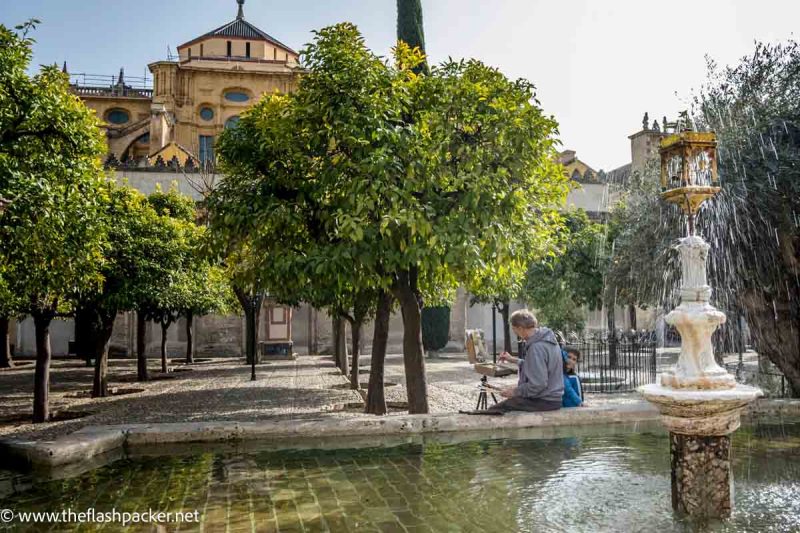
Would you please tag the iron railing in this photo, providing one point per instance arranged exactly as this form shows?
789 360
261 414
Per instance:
611 364
100 85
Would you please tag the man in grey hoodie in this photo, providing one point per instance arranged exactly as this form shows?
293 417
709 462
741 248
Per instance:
541 369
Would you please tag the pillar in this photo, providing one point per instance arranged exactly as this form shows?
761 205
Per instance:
458 322
702 484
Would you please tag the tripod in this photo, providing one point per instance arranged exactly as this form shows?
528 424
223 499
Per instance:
483 399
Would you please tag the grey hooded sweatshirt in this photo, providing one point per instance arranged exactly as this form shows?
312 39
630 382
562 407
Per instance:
541 373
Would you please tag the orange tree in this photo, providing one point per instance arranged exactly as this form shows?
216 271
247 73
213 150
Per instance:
372 176
51 232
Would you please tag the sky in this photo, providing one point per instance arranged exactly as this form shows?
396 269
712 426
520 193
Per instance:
597 65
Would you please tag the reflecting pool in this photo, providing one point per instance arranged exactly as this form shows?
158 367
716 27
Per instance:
610 479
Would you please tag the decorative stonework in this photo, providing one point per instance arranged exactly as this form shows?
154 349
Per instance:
702 484
700 403
696 320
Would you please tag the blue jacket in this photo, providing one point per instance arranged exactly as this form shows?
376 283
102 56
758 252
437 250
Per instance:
573 396
572 391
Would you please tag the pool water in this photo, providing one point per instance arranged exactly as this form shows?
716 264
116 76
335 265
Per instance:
616 480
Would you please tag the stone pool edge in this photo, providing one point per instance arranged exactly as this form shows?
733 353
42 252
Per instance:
93 441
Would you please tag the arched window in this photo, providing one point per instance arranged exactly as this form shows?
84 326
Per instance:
232 122
576 175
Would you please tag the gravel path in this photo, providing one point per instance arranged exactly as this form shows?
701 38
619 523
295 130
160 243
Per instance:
220 389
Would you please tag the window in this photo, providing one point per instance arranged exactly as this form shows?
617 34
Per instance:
118 116
275 54
206 113
206 149
229 49
236 96
247 50
232 122
576 175
189 54
201 50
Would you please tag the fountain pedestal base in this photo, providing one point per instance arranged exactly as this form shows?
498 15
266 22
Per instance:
702 485
700 423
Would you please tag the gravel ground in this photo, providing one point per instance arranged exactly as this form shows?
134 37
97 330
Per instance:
220 389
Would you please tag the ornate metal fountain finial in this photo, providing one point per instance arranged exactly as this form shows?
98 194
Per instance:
689 170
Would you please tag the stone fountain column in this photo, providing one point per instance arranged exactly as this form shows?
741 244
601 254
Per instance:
700 403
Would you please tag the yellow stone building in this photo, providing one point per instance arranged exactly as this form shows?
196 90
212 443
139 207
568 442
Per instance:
193 97
576 169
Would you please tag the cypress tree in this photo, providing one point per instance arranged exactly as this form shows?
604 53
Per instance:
409 27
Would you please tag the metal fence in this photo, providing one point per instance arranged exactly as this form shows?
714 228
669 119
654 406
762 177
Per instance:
609 364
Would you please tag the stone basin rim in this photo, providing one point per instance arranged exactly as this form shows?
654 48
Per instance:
660 394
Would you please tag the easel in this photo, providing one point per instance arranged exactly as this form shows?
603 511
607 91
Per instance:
483 399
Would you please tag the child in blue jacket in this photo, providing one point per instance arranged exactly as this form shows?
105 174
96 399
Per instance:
573 390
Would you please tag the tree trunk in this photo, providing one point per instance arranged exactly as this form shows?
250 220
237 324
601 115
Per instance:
504 312
342 339
6 359
189 338
413 360
376 401
632 316
339 325
337 358
775 334
141 357
613 360
41 380
164 331
356 327
102 340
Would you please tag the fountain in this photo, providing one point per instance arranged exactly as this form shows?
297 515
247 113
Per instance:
700 403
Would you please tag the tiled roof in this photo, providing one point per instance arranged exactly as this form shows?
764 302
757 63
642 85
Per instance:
242 28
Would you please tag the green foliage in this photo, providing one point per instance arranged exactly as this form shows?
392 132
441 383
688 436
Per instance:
189 282
139 253
563 285
51 235
172 204
643 269
368 171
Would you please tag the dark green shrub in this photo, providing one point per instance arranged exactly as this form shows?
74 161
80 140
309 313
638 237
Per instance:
435 327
